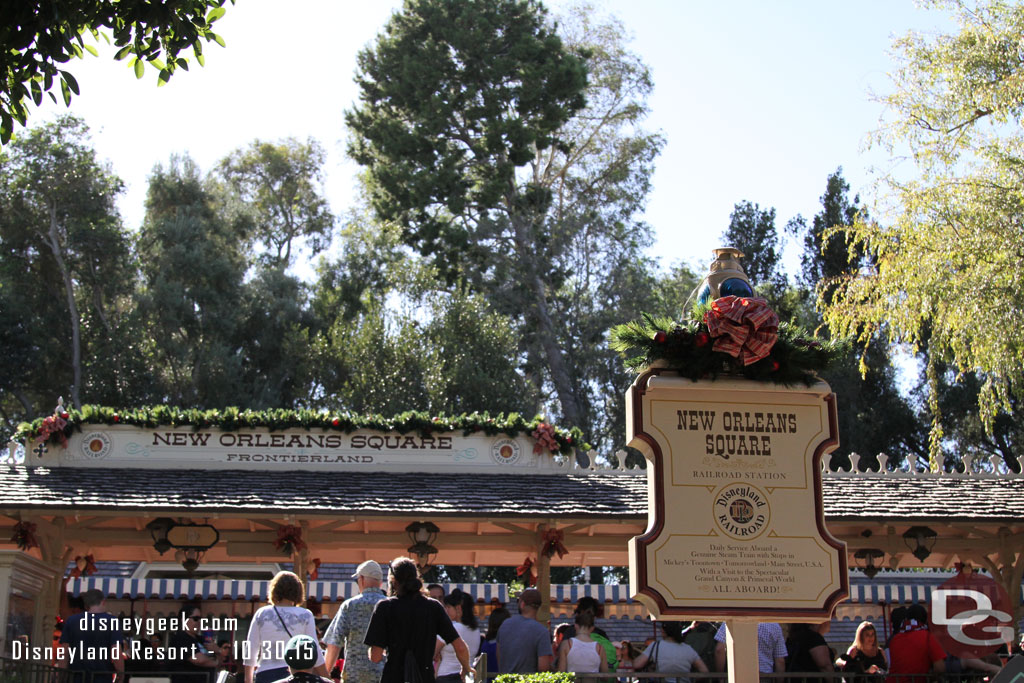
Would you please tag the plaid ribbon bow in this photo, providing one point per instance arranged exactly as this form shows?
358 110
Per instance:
744 327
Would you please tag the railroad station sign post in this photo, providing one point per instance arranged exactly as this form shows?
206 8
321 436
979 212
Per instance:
736 530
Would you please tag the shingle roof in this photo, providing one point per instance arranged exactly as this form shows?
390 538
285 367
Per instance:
920 498
372 493
593 495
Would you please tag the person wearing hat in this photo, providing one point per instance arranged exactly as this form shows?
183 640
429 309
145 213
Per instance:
524 644
345 634
301 654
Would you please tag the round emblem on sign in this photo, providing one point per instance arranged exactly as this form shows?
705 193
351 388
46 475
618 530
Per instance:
741 511
95 445
505 451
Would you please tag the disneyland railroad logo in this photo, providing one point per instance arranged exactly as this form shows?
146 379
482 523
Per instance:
741 511
740 433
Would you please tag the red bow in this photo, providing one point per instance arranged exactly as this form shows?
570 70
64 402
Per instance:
545 436
84 566
289 539
53 426
526 571
25 535
553 543
744 327
316 571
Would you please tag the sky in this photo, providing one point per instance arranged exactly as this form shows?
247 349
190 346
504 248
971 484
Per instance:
758 100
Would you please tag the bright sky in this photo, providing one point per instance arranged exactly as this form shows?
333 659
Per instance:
758 100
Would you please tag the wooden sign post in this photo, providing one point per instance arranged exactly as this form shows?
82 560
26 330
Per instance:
736 530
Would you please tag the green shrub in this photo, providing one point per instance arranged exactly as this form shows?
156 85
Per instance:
546 677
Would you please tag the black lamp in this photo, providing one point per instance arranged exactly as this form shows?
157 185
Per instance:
158 529
866 558
422 535
920 540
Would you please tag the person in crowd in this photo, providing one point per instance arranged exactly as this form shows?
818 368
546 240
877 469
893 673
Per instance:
142 658
406 626
807 650
489 645
96 641
301 655
581 653
345 634
771 648
671 654
199 666
562 632
273 626
896 619
914 650
589 604
524 645
626 654
865 655
226 655
465 622
700 635
436 591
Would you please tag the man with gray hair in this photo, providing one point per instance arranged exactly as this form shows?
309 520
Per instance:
348 628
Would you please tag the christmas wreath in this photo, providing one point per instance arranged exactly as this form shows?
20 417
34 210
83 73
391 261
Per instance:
737 336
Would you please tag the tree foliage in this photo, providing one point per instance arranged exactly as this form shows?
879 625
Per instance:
38 37
945 267
279 189
485 141
66 264
455 96
752 231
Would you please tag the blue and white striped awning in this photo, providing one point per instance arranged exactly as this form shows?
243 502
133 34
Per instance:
233 589
898 594
571 592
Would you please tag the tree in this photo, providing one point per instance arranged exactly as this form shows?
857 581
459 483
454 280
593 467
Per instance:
479 142
193 264
36 36
866 387
391 338
826 256
65 252
945 270
279 186
752 231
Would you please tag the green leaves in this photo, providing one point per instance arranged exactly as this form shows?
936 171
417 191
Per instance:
145 32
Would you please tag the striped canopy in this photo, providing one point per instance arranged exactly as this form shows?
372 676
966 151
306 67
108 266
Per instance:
232 589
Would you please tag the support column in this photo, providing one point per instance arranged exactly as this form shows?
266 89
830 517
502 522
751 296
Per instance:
543 577
741 650
56 553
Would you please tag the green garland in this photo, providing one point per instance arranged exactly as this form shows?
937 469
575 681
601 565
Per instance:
231 419
687 348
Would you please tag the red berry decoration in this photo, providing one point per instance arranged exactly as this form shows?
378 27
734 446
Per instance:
660 337
701 339
117 418
335 422
775 366
64 415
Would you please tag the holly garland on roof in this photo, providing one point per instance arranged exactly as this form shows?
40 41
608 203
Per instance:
556 439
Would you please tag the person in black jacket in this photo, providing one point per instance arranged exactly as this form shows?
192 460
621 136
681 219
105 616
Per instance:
407 625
